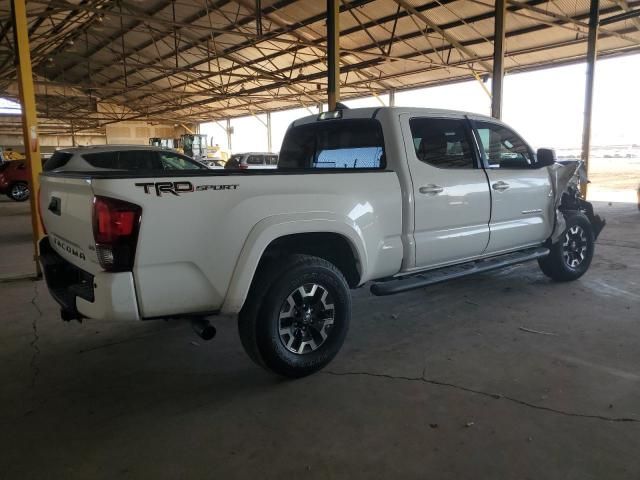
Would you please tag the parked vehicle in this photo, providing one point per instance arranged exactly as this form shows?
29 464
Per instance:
263 160
193 145
119 157
213 164
163 142
401 197
14 180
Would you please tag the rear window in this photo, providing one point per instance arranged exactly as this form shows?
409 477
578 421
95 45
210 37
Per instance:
57 160
255 160
334 144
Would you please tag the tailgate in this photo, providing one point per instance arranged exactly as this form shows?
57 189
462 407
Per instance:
67 213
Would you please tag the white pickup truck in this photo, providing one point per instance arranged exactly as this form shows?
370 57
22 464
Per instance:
400 197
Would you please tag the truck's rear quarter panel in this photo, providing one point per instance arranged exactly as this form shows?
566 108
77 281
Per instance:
190 243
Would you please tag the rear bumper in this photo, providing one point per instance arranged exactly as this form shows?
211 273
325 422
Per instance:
104 296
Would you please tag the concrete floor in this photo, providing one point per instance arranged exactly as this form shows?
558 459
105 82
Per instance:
436 383
16 247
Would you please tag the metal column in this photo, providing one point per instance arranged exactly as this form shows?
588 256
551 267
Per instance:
229 132
29 118
333 52
269 137
592 51
498 59
392 98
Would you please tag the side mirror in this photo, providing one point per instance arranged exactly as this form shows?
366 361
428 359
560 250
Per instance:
546 157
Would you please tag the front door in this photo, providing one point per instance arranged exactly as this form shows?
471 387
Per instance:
451 194
521 194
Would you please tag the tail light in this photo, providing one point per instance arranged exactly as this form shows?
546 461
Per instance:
243 166
115 230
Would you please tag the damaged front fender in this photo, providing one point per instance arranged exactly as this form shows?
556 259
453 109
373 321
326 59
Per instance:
566 178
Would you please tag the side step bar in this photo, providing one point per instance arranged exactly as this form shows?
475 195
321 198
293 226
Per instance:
440 275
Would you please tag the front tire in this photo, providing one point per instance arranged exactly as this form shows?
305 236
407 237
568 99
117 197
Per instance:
570 257
19 192
297 316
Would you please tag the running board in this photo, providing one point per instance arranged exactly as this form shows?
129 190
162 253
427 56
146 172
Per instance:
445 274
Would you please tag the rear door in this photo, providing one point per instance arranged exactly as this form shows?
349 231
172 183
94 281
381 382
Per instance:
451 195
521 194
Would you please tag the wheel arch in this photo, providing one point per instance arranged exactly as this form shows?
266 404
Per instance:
335 240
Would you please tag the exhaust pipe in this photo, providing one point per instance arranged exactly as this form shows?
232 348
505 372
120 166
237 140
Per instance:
203 328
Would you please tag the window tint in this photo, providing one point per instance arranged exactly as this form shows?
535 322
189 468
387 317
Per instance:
255 160
502 147
443 143
137 160
57 160
334 144
123 160
173 161
272 160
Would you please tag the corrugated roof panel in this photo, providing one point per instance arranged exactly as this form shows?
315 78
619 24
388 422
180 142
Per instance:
224 68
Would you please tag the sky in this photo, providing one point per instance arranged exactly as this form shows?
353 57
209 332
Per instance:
544 106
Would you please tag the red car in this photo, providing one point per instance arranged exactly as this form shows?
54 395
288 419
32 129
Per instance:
14 180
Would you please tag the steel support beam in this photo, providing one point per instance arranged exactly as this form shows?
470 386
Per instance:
592 52
269 136
497 78
392 98
29 118
333 52
629 13
229 134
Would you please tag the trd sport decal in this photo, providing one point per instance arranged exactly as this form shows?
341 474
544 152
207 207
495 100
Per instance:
176 188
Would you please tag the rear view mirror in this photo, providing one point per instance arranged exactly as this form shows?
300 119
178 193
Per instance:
546 157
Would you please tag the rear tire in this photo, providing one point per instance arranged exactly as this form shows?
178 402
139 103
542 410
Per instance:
19 192
297 315
570 257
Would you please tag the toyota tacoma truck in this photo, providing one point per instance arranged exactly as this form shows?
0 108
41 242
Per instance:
399 198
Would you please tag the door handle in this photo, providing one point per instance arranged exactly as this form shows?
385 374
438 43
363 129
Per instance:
54 206
500 186
431 189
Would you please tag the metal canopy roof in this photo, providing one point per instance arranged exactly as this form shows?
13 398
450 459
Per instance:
100 61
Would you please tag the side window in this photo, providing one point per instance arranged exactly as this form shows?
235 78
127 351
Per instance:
255 160
102 159
173 161
443 143
272 160
502 147
334 144
136 160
